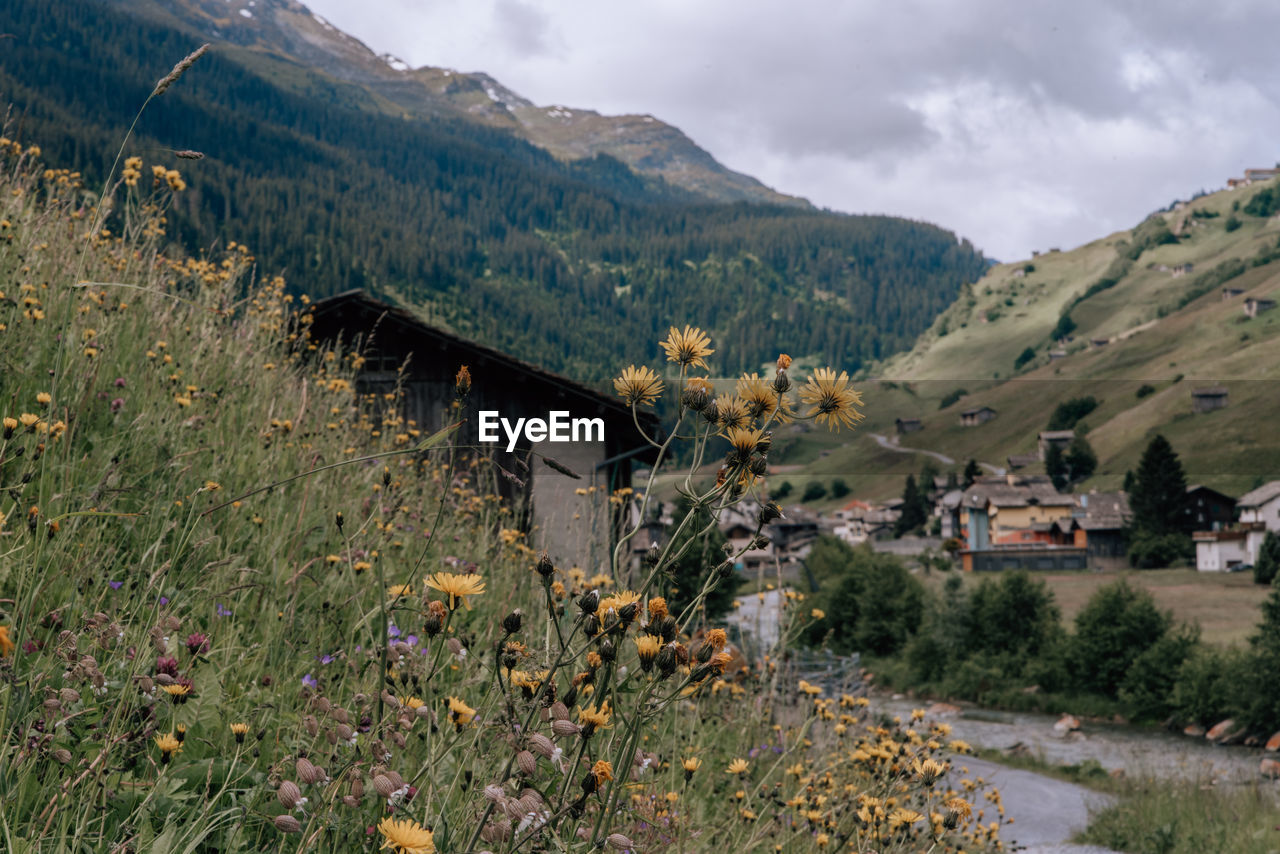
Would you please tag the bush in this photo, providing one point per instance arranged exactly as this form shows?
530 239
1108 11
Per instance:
1068 412
873 605
784 489
1159 551
1144 390
814 491
1205 688
1231 223
1117 625
1148 686
1064 328
1025 356
839 489
951 397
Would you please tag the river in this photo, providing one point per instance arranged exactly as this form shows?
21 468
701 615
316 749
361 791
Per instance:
1048 812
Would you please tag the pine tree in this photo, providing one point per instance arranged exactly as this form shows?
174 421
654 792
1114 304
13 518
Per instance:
1159 496
1055 465
972 471
915 508
1080 459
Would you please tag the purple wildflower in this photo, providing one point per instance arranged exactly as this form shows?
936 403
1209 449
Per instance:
309 681
116 585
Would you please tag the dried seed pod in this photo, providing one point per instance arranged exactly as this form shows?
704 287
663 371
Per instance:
619 842
350 800
383 786
340 715
527 763
495 793
62 756
289 794
306 771
311 725
287 824
542 745
395 779
559 711
565 728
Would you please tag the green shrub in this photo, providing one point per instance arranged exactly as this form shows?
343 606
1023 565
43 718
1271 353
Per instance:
814 491
1206 685
1024 357
839 489
1231 223
1144 390
1116 626
1148 685
951 397
872 604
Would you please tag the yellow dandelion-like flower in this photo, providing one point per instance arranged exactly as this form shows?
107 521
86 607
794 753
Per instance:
960 807
459 712
29 421
406 836
602 771
690 765
737 766
733 412
761 400
169 745
831 399
239 730
744 442
6 642
43 398
597 718
638 386
399 591
687 348
412 703
456 586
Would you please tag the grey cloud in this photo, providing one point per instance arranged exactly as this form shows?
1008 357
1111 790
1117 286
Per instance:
522 28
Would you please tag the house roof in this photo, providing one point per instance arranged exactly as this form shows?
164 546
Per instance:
339 304
1021 460
1264 494
976 411
1198 487
1211 391
1051 435
1014 491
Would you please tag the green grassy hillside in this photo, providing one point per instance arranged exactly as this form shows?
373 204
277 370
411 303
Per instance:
1150 327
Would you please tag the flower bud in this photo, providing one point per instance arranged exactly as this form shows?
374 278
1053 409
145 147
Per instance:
559 711
306 771
527 763
383 786
545 567
589 601
666 661
62 756
511 622
607 650
540 744
769 512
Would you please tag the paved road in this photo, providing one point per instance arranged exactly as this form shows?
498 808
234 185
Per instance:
890 445
1046 812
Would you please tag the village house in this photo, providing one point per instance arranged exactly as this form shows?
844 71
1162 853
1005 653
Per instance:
1017 462
1061 439
401 351
908 425
1261 505
974 417
996 505
1055 355
1208 509
1208 399
1222 549
1099 342
1254 306
1097 525
1231 293
1252 175
1179 270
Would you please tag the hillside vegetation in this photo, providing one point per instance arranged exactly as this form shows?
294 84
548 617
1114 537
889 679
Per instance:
575 266
1144 338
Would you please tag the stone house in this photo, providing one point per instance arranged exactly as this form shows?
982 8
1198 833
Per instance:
1254 306
1061 439
974 417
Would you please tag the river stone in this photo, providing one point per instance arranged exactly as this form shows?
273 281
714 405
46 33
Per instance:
1269 767
942 710
1066 724
1273 743
1194 730
1222 731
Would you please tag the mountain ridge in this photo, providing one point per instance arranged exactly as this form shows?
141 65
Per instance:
293 32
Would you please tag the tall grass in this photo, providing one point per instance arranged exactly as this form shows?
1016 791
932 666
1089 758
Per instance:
246 608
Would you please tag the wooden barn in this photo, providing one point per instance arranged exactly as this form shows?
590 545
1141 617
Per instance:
574 528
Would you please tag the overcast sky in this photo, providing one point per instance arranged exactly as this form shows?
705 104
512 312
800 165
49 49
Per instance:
1020 125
